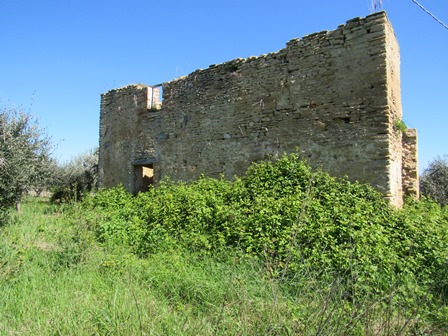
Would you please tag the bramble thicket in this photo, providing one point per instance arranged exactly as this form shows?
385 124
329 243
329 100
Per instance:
283 212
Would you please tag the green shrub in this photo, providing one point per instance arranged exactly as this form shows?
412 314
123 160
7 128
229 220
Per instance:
400 126
421 242
292 218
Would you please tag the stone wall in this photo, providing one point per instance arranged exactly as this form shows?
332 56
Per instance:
409 165
334 96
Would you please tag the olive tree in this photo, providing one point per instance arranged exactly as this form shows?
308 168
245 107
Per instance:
434 180
25 155
76 178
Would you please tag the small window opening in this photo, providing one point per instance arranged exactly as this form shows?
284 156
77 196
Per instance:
155 97
144 177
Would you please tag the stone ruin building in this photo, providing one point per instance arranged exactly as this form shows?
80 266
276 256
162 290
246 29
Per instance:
332 95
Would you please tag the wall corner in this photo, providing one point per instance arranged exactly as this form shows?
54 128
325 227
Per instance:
410 164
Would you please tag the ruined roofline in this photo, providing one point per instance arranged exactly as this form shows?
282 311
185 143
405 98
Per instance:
138 86
357 21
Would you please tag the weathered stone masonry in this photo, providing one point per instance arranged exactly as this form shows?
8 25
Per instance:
334 95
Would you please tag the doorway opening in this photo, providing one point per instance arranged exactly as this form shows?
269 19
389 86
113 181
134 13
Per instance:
143 177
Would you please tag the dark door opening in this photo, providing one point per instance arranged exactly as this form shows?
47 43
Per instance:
143 177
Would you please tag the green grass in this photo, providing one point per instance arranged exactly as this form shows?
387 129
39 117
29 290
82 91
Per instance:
56 279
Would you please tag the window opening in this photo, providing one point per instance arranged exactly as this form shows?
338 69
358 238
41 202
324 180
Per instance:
155 97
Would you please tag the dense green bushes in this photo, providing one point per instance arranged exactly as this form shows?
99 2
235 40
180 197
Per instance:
292 218
56 279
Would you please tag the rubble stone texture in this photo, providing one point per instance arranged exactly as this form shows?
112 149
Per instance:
333 96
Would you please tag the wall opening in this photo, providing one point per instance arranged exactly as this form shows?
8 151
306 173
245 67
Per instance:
143 177
155 97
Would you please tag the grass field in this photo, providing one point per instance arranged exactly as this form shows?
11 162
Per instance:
56 279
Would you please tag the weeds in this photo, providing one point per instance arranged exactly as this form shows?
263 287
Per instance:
285 256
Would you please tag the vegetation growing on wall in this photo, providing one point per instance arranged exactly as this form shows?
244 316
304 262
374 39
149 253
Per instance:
400 126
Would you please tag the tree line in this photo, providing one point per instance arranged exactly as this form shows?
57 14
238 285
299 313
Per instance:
27 163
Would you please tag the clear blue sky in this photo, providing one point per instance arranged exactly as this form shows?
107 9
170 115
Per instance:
64 54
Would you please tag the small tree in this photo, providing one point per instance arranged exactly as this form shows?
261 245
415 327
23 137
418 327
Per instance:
76 178
434 181
48 168
25 151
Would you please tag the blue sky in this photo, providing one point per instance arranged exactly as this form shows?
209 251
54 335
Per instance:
57 57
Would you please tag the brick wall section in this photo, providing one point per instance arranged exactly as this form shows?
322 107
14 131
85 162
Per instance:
334 96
